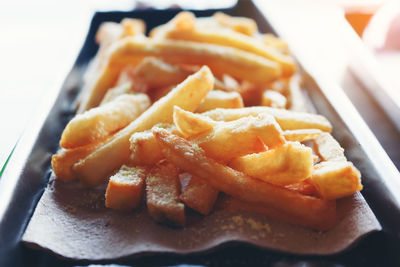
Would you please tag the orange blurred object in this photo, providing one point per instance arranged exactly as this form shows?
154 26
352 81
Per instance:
358 20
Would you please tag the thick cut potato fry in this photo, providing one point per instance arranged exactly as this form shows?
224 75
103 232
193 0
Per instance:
273 99
220 99
297 102
328 148
113 93
302 135
220 59
271 40
145 148
100 122
288 120
286 164
233 139
156 73
64 159
162 194
133 27
239 24
187 95
336 179
199 196
312 212
125 188
191 124
229 38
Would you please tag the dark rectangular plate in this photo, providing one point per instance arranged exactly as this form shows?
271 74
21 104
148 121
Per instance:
28 171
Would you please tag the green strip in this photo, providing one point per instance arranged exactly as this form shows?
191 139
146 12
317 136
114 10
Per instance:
5 163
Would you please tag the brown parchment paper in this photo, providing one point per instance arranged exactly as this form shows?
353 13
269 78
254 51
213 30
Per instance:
72 222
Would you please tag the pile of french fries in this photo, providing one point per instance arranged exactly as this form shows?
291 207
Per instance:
202 106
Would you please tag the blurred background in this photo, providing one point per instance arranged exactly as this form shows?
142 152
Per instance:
39 41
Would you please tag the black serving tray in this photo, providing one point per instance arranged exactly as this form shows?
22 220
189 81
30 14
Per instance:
28 170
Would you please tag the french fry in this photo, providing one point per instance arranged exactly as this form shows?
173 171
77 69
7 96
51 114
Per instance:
191 124
125 188
304 187
296 98
113 93
199 196
156 73
131 50
313 212
336 179
273 99
302 135
108 32
100 122
229 38
288 120
133 27
188 95
233 139
328 148
242 25
220 99
271 40
145 148
64 159
286 164
162 193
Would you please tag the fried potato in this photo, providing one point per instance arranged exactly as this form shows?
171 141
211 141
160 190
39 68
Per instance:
286 164
100 122
296 98
145 148
233 139
156 73
199 196
191 124
288 120
313 212
273 99
125 188
328 148
131 50
304 187
242 25
108 32
162 194
302 135
64 159
133 27
220 99
229 38
113 93
271 40
336 179
188 95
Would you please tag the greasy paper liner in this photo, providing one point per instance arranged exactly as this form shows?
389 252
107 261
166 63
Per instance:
73 222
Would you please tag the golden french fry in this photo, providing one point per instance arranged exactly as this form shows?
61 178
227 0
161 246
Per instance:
145 148
162 194
328 148
273 99
188 95
191 124
64 159
286 164
302 135
271 40
233 139
220 99
183 20
133 27
229 38
199 196
336 179
288 120
125 188
131 50
239 24
100 122
296 98
113 93
311 211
